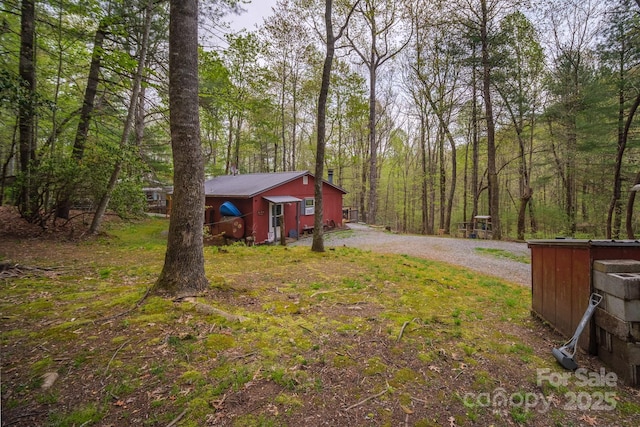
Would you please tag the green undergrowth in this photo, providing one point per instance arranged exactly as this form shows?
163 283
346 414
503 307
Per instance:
501 253
314 325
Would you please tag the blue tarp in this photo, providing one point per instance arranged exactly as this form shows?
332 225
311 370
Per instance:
229 209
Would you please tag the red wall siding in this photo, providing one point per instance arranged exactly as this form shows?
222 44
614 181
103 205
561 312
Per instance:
255 211
332 201
212 212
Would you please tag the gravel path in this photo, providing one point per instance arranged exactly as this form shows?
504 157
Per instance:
451 250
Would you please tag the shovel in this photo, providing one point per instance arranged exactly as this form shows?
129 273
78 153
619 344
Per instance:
564 355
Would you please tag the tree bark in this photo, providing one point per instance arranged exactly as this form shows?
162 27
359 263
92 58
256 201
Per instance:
617 182
380 52
372 207
424 170
318 241
475 152
630 202
90 92
26 115
183 271
128 125
64 204
492 173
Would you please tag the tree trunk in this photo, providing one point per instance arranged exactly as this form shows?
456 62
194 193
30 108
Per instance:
522 211
26 115
616 205
183 271
446 199
442 189
283 133
318 240
475 152
227 167
64 203
5 165
294 125
373 142
236 152
492 173
90 93
630 202
423 181
452 188
363 192
431 224
570 190
128 125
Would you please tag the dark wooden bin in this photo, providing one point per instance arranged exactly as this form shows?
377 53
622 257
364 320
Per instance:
562 280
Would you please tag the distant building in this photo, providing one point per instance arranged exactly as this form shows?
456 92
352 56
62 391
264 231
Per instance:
156 199
269 204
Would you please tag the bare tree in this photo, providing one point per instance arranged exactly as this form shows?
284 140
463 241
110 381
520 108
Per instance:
519 85
621 53
183 271
288 47
318 241
632 194
375 43
26 114
480 19
128 124
439 84
574 31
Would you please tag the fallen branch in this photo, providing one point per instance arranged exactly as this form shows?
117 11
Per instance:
404 326
306 329
176 419
19 417
114 356
362 402
11 270
217 404
124 313
242 356
321 293
419 400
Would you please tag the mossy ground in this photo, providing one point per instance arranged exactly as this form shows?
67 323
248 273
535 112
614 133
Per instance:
345 337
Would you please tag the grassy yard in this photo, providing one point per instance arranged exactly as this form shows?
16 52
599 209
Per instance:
284 337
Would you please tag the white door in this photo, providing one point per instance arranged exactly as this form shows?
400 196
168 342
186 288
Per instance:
275 213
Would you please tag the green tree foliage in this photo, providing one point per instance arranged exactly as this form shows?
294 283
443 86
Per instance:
620 53
519 83
558 144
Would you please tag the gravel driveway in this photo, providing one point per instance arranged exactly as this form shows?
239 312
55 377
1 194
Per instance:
451 250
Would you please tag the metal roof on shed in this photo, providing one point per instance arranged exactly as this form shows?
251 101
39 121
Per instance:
282 199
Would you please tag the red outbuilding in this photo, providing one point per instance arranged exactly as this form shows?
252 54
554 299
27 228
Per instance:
261 206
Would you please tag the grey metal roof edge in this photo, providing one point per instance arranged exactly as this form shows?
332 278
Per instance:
296 175
229 196
282 199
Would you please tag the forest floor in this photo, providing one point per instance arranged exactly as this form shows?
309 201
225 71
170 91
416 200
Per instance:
284 337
